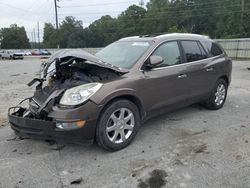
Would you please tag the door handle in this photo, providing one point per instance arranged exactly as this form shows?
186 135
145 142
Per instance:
181 76
209 69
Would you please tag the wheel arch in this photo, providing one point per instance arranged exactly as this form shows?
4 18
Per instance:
224 77
134 99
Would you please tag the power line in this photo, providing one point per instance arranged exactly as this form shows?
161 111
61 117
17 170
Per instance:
153 18
96 4
169 11
115 3
176 14
20 9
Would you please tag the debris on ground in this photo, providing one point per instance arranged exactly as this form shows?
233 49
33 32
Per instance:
58 147
76 181
3 122
199 132
15 75
50 142
200 148
178 162
16 138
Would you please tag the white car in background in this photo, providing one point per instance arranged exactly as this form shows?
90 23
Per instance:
9 54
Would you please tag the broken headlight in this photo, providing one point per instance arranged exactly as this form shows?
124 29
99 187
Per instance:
79 94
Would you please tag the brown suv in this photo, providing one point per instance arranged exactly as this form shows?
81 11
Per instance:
105 97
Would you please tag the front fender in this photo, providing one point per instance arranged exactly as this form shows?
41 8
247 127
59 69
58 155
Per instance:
104 97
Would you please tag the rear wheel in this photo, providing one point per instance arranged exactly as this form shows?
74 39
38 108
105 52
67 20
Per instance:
118 125
218 95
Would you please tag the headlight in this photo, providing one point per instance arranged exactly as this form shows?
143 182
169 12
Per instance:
79 94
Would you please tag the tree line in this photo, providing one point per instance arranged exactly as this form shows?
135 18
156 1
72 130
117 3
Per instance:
215 18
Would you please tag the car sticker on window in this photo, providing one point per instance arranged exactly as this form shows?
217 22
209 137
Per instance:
140 44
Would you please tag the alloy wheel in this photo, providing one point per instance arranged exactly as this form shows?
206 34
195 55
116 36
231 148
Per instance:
120 125
220 94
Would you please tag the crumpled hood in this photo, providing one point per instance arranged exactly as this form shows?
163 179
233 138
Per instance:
89 58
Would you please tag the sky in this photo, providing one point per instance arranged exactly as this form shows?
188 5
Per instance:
28 13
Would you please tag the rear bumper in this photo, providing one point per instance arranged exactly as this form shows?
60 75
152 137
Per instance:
47 130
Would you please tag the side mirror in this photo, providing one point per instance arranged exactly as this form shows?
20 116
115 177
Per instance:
155 60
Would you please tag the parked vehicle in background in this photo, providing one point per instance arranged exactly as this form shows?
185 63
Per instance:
36 52
40 52
45 52
10 54
108 95
25 53
1 53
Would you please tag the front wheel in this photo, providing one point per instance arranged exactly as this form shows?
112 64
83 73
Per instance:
218 95
118 125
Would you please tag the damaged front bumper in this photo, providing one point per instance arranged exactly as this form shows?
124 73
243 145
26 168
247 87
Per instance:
49 130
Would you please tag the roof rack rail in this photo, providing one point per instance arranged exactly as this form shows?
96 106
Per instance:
153 35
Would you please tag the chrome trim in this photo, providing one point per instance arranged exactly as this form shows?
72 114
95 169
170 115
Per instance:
160 68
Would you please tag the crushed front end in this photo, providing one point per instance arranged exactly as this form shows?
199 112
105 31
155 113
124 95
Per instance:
46 116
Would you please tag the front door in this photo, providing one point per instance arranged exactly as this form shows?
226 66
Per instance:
167 84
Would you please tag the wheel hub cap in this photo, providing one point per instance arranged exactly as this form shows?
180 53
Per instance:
120 125
220 94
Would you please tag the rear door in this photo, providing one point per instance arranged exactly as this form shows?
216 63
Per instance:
167 84
199 69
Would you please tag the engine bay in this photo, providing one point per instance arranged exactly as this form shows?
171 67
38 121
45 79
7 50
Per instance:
64 74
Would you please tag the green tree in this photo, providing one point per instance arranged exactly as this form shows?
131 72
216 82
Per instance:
228 20
71 33
14 37
131 21
157 16
102 31
49 36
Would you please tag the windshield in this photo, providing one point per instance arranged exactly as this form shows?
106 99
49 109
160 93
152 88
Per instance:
123 53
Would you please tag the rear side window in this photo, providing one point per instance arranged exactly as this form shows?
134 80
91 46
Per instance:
213 48
193 51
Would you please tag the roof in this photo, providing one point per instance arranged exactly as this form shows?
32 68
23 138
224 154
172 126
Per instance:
169 36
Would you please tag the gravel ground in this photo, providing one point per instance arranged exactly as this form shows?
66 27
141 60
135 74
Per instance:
192 147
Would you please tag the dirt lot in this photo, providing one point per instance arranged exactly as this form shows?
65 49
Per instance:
192 147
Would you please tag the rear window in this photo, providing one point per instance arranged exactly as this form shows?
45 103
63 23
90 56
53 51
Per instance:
193 51
213 48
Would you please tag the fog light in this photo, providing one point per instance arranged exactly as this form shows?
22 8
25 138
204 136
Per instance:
70 125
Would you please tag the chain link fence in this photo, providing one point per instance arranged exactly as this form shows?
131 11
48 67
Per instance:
236 48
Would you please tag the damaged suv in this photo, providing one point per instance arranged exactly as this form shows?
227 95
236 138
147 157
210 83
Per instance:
106 96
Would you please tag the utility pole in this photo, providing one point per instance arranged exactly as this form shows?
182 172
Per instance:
38 36
56 23
34 32
242 13
32 40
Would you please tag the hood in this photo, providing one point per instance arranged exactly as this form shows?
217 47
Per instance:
89 58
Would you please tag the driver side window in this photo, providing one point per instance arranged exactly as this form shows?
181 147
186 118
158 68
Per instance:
170 53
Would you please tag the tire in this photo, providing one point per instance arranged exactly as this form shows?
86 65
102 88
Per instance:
111 125
215 102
